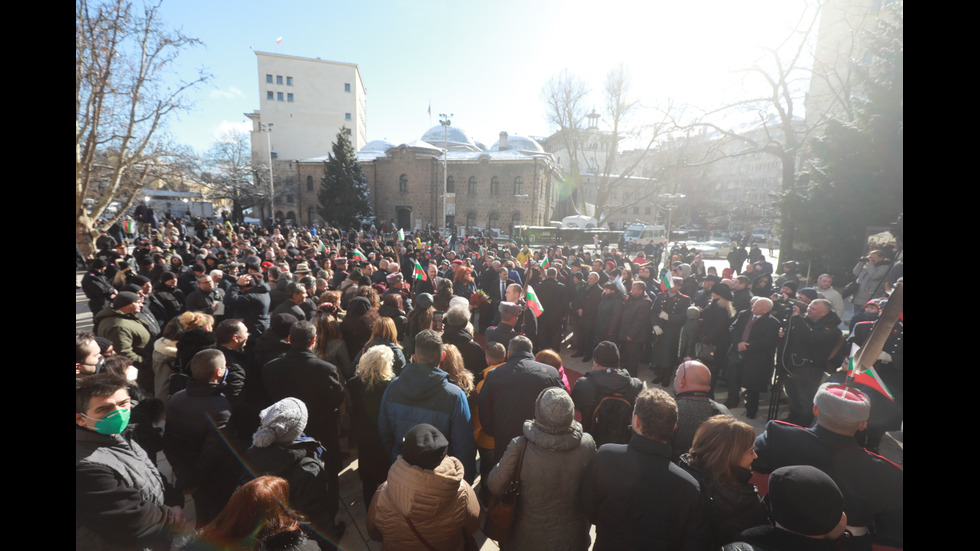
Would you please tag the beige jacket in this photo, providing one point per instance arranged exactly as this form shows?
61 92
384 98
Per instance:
441 505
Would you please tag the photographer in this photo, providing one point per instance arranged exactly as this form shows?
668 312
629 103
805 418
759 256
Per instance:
810 341
871 272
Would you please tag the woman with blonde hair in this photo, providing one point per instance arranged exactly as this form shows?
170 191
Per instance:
720 459
367 387
452 363
384 333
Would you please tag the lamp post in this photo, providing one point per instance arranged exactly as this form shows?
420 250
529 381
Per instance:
267 128
671 202
445 121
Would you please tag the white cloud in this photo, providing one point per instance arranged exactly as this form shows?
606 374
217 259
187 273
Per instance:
227 129
231 93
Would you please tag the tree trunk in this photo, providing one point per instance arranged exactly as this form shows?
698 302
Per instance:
85 235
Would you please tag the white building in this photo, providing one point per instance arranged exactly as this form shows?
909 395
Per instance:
306 101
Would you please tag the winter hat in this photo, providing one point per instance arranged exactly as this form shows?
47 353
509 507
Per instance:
124 299
808 292
281 423
841 402
803 499
606 354
423 300
693 312
723 291
554 411
424 446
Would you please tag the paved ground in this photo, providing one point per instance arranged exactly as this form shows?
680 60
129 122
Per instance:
354 511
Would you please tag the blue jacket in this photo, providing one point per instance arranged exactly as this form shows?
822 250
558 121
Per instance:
423 394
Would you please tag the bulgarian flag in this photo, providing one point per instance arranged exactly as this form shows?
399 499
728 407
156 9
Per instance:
666 280
358 255
322 248
130 226
533 303
401 234
545 262
870 378
419 272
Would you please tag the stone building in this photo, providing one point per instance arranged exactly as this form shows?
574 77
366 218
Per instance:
512 182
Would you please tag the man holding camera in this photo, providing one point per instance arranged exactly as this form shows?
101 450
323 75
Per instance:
813 337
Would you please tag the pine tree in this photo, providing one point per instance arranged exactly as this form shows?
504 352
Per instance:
343 195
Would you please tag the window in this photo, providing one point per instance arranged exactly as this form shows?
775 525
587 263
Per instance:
450 184
403 183
515 220
494 187
646 210
518 186
279 96
268 78
636 210
269 95
347 87
309 183
470 219
289 198
289 96
472 190
494 220
346 116
289 81
278 79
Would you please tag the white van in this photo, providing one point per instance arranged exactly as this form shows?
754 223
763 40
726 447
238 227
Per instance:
639 235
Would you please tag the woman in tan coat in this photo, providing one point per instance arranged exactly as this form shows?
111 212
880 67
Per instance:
425 503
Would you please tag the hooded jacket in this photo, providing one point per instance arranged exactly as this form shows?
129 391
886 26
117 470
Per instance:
441 505
423 394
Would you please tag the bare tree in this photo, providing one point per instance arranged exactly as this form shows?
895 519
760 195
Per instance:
123 57
229 172
600 150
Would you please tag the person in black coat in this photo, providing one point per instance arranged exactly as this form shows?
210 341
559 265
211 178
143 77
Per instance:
301 374
754 336
97 287
635 327
248 299
635 496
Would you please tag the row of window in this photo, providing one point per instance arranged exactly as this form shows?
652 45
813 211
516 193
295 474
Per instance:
270 95
471 185
289 80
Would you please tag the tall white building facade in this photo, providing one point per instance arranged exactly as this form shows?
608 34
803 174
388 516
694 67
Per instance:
306 101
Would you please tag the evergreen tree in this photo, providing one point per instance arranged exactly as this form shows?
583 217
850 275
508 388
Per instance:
343 195
856 176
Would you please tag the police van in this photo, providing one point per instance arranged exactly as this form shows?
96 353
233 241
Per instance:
639 235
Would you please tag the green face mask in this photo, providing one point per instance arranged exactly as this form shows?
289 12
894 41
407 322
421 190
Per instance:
113 423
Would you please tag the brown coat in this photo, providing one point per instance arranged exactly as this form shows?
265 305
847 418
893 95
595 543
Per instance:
441 505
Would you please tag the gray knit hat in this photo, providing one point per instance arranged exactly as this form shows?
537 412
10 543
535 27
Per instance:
282 422
554 411
423 300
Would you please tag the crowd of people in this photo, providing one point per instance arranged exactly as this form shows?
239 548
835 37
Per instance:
258 359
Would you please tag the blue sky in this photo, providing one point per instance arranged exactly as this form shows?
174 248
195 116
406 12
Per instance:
484 62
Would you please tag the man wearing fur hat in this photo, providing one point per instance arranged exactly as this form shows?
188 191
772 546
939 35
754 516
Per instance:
872 485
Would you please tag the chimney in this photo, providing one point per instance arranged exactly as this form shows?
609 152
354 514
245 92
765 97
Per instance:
502 144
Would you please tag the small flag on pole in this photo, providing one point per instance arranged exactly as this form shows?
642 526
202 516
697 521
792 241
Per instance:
532 302
545 262
419 272
358 255
666 281
870 378
279 41
401 234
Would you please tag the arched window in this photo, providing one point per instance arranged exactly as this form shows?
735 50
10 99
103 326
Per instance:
518 186
403 183
472 185
470 219
494 186
494 221
515 220
309 183
450 184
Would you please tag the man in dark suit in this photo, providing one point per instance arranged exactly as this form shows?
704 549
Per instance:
754 335
554 302
497 290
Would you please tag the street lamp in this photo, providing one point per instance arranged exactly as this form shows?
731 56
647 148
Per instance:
445 121
267 128
671 201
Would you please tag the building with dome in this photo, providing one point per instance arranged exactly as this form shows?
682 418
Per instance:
511 183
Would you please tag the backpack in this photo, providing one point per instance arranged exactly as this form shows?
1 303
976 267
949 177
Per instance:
611 420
